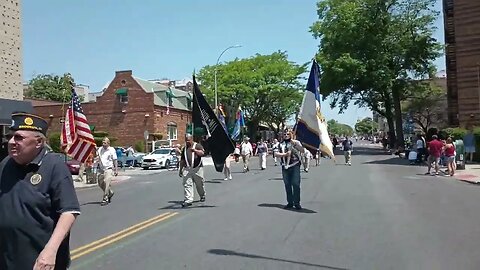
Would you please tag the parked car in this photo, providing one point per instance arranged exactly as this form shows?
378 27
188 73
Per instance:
160 158
72 164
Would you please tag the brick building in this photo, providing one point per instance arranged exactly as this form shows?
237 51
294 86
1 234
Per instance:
462 39
128 107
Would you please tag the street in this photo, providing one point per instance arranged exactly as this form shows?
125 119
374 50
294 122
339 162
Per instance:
379 213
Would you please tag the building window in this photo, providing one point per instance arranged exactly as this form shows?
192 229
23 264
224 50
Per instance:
172 131
123 94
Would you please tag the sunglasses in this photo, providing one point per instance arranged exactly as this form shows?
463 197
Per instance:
17 137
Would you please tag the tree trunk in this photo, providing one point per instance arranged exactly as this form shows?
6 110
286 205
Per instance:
400 142
390 122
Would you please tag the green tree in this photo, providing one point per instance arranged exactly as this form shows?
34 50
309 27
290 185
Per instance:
51 87
336 128
370 50
266 86
426 105
366 126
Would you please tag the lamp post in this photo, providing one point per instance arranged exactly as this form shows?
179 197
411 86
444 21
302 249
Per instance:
218 59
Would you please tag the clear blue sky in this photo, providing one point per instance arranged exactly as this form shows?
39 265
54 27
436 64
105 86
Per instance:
92 39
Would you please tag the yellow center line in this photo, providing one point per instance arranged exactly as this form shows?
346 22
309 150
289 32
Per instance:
76 253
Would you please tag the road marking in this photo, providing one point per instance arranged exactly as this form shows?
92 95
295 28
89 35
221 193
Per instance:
83 250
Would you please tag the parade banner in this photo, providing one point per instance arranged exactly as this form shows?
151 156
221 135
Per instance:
219 143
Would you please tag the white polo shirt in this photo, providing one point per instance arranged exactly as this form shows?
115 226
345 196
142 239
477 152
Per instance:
107 157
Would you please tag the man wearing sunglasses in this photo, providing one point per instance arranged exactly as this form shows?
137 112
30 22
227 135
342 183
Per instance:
38 204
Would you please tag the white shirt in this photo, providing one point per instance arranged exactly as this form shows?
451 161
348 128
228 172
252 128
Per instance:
246 148
420 144
107 157
307 154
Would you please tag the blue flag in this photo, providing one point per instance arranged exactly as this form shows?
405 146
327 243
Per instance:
311 127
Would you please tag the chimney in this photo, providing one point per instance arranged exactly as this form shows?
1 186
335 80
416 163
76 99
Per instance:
123 72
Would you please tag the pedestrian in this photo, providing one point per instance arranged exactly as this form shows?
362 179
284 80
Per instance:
469 142
191 170
435 148
449 150
236 153
38 203
318 156
246 150
306 159
226 168
421 148
130 153
107 169
262 150
275 149
289 152
347 151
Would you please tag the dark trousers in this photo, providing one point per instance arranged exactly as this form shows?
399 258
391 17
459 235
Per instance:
291 179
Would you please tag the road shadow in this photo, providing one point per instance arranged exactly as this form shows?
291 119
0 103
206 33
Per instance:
215 181
177 205
390 161
276 179
91 203
225 252
280 206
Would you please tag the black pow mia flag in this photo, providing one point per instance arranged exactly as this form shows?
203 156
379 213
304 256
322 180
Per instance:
220 144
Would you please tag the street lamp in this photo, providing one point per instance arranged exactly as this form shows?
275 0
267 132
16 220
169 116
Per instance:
218 59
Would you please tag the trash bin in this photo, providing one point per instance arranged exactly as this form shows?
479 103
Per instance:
460 156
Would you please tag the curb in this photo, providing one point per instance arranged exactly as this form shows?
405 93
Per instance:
117 180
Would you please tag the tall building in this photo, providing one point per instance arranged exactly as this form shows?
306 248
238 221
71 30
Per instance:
11 87
10 51
462 39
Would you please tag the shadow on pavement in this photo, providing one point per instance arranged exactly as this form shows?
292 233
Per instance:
280 206
215 181
276 179
365 151
178 205
90 203
390 161
225 252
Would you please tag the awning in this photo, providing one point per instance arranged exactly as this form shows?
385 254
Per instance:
121 91
8 106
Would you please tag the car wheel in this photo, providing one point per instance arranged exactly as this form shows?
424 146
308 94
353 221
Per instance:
145 168
167 164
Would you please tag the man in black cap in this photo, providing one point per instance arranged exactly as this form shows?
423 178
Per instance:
38 204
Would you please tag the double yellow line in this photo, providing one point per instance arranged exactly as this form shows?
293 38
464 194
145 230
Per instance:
83 250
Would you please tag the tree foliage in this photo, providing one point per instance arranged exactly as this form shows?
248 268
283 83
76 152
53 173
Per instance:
371 49
426 106
336 128
266 86
51 87
366 126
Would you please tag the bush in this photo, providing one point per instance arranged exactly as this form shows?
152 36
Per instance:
54 141
100 134
140 146
456 133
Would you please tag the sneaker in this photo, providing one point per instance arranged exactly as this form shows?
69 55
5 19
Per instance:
288 206
186 204
110 197
104 202
298 207
230 177
225 179
202 199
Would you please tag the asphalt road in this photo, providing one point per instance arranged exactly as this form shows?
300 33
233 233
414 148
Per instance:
379 213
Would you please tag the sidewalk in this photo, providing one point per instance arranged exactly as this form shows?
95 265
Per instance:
471 174
80 185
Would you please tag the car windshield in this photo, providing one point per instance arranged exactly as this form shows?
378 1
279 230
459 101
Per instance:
161 152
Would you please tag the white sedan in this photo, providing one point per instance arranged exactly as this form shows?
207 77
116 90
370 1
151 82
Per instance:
159 158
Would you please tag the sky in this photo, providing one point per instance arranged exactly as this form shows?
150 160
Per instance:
156 39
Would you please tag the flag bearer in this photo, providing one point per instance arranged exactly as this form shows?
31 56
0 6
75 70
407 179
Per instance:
191 162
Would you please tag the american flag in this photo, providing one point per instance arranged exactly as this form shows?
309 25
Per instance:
77 139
